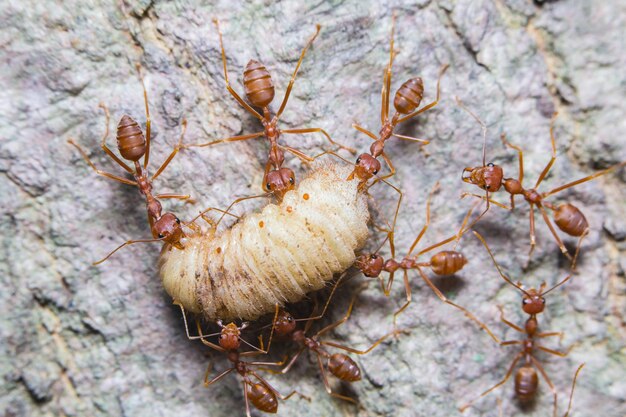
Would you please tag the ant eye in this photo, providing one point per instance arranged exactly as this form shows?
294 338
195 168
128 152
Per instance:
177 220
161 236
374 256
358 160
543 300
490 164
526 301
375 171
291 180
290 319
268 186
487 187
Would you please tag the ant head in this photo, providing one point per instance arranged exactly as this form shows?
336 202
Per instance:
229 336
488 177
130 139
168 228
262 397
279 181
285 323
409 96
257 83
533 302
366 167
371 265
344 367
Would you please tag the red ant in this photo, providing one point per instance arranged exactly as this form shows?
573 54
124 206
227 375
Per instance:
261 393
340 365
526 378
132 146
490 178
406 102
442 263
259 89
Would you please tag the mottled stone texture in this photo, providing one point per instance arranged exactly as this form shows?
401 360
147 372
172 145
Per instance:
79 340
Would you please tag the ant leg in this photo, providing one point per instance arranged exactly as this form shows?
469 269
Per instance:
327 384
237 201
323 132
400 195
489 200
174 152
387 288
554 233
128 242
230 139
403 137
503 381
366 351
585 179
309 320
175 196
182 310
145 100
483 126
103 145
553 158
407 289
520 157
532 231
99 172
217 378
508 323
340 321
278 394
463 229
463 309
261 350
228 87
295 72
580 242
504 277
384 104
298 154
365 131
391 168
292 361
569 405
548 381
245 396
555 352
432 104
427 222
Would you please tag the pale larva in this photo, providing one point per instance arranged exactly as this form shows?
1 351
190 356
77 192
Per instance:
275 256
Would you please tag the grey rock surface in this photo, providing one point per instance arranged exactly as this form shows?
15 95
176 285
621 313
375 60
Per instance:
79 340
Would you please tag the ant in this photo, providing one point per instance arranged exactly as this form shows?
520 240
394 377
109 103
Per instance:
257 391
490 177
132 146
406 102
447 262
259 89
526 378
339 364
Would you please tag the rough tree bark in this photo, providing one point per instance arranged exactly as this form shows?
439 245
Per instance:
79 340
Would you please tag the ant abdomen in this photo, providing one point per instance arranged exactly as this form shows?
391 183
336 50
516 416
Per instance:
257 83
447 262
526 382
343 367
409 96
262 398
570 220
130 139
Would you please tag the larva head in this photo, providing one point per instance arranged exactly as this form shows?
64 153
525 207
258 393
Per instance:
370 265
229 337
533 302
285 324
168 228
257 82
130 139
487 177
262 397
343 367
409 96
366 167
279 181
570 220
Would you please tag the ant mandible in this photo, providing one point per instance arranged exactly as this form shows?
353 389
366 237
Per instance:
132 146
259 89
490 177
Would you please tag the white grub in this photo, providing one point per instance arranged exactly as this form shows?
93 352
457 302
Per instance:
275 256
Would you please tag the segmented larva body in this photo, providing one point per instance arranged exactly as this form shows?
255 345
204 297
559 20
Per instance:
275 256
